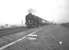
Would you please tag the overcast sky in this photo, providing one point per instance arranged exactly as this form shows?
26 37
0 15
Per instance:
13 11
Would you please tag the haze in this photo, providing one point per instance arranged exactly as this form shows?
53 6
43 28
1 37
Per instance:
14 11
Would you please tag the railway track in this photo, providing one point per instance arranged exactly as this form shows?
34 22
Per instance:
9 31
16 38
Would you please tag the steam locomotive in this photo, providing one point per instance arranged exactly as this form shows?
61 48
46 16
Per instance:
34 21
